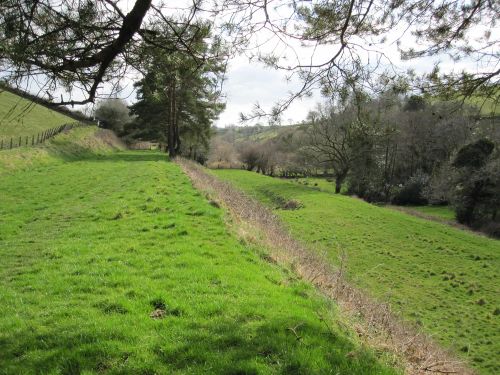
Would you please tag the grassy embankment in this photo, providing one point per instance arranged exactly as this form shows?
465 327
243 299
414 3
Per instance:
20 117
66 146
440 277
114 263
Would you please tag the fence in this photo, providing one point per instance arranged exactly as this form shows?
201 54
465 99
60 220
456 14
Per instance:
32 140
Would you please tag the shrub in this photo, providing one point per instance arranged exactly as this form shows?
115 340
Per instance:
291 205
492 229
412 192
477 196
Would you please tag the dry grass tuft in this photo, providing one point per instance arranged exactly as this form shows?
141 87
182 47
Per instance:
379 326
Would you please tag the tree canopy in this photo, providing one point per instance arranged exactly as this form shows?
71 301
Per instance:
178 99
67 44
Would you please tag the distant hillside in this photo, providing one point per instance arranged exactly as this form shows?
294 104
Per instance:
489 110
256 133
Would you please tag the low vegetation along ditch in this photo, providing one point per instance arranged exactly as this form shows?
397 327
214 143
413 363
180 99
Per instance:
441 279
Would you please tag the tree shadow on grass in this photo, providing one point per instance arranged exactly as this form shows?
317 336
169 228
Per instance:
219 346
127 156
79 153
272 346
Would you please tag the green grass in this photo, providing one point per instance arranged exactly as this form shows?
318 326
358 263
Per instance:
320 183
20 117
90 247
442 278
441 212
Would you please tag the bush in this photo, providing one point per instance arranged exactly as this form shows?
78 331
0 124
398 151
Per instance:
412 192
492 229
291 205
366 189
477 195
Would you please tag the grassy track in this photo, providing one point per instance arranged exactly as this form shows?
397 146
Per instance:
90 248
442 278
440 212
20 117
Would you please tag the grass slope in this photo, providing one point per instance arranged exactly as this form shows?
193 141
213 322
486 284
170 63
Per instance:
21 117
321 183
90 248
442 278
66 146
441 212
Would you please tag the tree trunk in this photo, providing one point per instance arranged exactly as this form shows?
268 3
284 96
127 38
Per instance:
338 184
171 125
177 138
339 180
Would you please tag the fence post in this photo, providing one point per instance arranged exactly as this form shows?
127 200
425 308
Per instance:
20 139
33 140
11 143
27 140
1 145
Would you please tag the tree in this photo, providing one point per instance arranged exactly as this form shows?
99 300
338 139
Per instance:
330 139
474 155
349 40
249 155
86 43
478 184
222 155
83 44
113 114
178 98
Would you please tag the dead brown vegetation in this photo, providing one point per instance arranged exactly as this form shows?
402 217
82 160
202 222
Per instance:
374 321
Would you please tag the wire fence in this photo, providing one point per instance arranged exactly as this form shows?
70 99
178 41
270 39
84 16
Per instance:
33 140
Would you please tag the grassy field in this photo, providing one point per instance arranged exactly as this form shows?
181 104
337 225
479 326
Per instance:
442 278
114 263
21 117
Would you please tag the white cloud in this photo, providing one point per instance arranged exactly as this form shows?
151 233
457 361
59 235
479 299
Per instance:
251 83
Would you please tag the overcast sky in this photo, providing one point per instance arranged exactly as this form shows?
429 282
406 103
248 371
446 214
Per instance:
249 83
